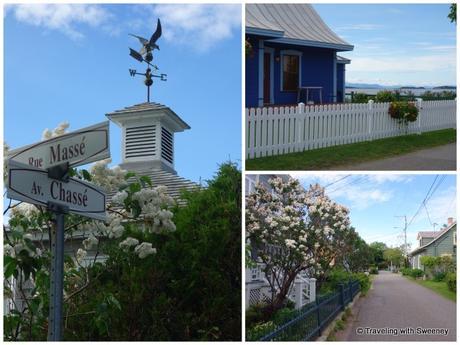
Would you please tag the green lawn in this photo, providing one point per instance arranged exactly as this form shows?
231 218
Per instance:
439 287
352 153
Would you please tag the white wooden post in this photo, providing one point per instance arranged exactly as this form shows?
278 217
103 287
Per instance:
312 282
369 118
300 111
298 293
419 119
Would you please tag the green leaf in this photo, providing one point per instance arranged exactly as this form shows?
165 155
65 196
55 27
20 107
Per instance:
129 175
146 180
86 175
134 187
9 265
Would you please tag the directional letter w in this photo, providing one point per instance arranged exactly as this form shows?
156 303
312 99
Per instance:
132 72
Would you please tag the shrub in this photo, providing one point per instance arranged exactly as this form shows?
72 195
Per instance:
364 281
404 112
284 315
430 261
416 273
406 271
360 98
439 276
259 330
386 96
374 270
451 280
254 314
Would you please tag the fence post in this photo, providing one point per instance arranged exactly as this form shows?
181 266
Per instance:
342 296
312 289
350 285
419 120
298 284
318 317
369 118
300 110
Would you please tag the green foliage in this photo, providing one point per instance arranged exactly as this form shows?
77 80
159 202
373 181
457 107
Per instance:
364 281
453 13
255 315
439 276
430 261
386 96
373 270
451 281
259 330
406 271
339 325
360 98
416 273
189 290
404 112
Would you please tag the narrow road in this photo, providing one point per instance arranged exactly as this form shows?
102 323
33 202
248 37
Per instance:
397 306
436 158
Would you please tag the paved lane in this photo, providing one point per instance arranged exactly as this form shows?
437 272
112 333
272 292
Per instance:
436 158
398 303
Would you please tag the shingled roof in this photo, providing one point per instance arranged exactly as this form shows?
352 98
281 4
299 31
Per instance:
292 24
173 182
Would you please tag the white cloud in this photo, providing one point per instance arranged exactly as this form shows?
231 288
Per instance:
199 26
61 17
442 205
407 63
362 27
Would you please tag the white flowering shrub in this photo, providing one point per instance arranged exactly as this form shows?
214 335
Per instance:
137 211
293 230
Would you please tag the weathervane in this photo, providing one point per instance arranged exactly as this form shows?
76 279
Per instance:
146 55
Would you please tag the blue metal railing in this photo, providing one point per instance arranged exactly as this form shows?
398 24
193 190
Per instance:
314 317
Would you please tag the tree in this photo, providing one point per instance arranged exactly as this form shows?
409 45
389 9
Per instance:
356 256
394 256
377 249
294 230
162 266
453 13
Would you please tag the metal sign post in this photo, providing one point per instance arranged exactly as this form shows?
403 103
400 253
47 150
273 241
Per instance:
57 272
39 174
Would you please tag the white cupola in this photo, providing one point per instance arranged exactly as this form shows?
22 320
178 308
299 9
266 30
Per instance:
148 136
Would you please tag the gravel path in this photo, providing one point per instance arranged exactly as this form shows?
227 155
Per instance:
396 303
436 158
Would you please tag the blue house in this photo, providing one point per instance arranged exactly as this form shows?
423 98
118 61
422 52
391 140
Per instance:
291 56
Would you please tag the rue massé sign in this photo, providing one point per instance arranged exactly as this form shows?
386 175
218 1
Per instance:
32 185
80 147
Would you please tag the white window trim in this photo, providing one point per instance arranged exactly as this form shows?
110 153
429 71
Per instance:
290 52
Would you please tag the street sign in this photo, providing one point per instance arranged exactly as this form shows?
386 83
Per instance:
32 185
80 147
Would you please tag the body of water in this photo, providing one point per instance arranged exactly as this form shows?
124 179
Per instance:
416 92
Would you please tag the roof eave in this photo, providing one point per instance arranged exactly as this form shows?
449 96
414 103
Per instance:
264 32
307 43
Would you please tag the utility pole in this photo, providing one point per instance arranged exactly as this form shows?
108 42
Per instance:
405 233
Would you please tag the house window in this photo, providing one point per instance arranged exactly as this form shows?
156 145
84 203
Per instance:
290 70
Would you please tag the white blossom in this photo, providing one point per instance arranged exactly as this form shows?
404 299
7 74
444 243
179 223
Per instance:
128 243
89 242
144 249
81 255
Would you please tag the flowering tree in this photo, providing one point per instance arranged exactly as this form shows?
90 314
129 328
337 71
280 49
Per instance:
294 230
137 204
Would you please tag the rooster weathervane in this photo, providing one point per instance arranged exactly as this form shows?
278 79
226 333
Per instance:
145 54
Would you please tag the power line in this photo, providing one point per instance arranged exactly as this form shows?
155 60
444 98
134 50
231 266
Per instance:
340 179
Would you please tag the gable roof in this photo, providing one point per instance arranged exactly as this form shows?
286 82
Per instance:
432 234
341 59
292 24
439 235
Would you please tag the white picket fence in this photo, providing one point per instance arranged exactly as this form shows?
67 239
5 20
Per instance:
280 130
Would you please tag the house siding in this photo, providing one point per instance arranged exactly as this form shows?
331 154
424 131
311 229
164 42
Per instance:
316 67
340 82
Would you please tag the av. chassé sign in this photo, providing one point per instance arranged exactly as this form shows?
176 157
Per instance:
33 185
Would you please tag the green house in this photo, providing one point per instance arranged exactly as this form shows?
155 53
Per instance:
435 243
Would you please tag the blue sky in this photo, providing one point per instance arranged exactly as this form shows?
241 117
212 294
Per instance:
375 201
410 44
70 63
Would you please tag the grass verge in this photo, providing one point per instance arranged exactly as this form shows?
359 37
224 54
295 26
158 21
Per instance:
330 157
439 287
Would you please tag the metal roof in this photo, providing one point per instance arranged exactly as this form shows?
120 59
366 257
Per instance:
437 237
432 234
341 59
299 24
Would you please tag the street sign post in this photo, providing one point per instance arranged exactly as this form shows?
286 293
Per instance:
80 147
39 174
